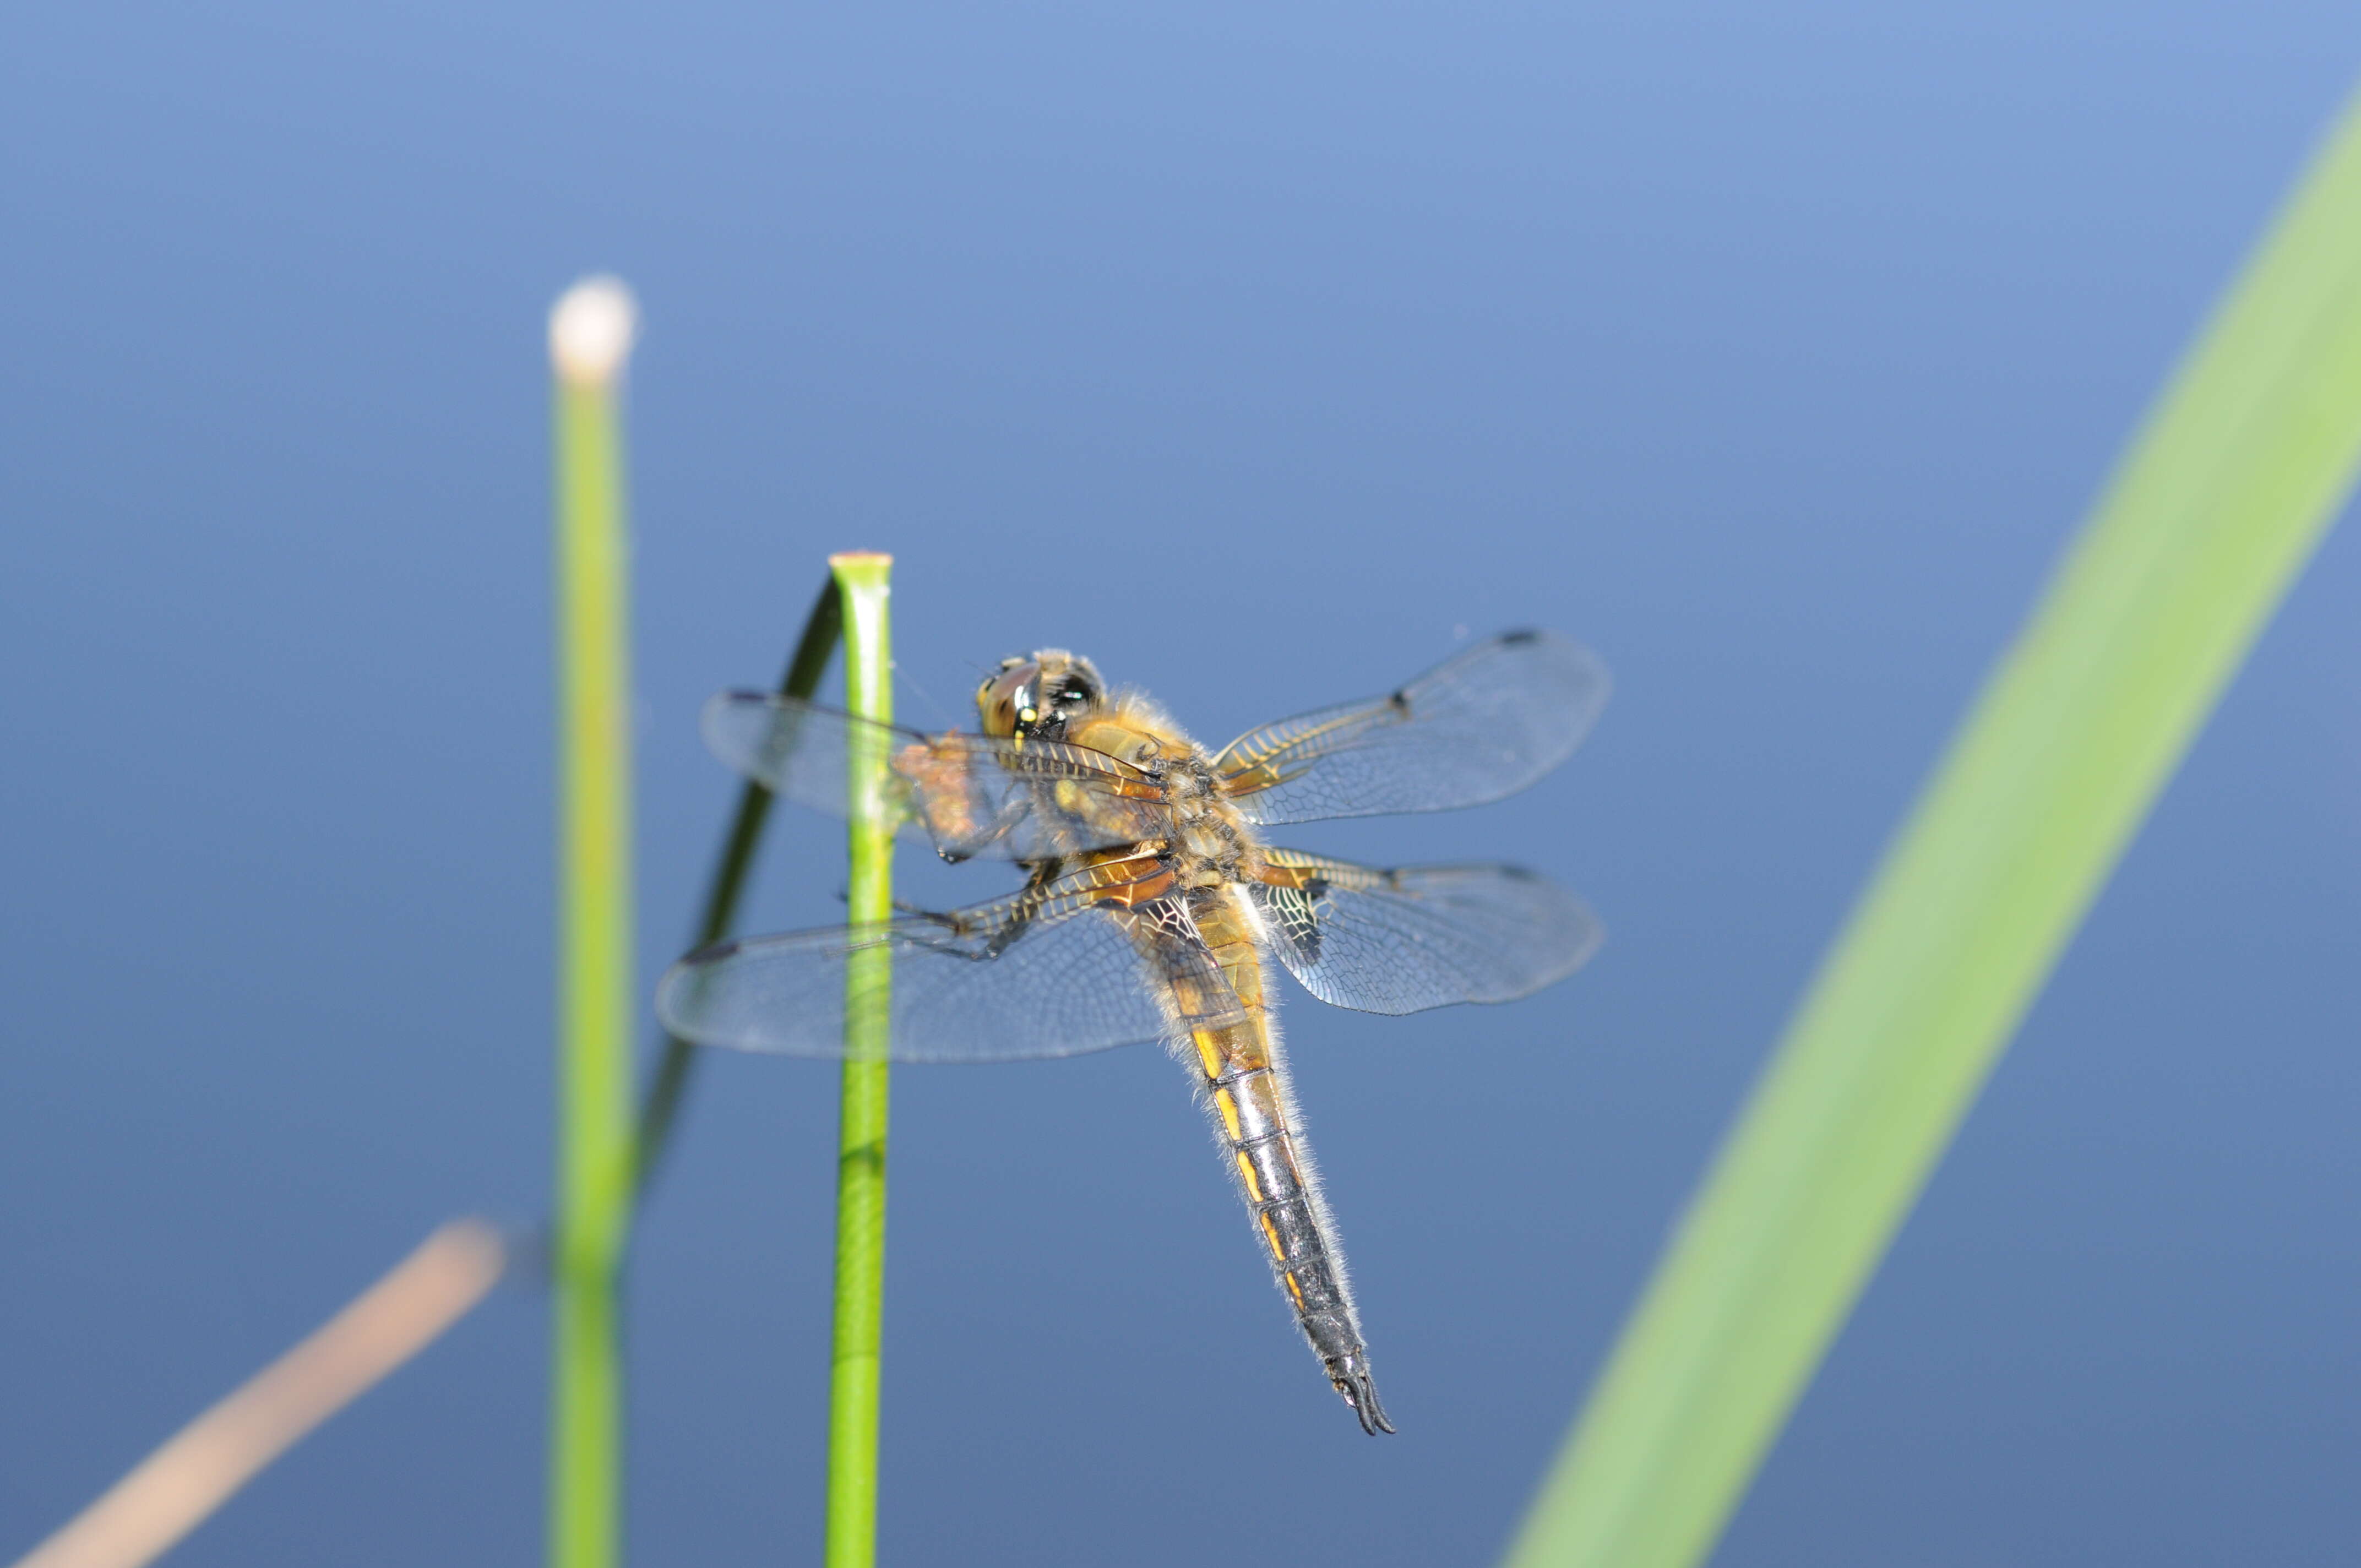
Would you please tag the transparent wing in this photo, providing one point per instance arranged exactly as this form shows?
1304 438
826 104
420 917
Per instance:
971 794
1419 937
1055 971
1478 727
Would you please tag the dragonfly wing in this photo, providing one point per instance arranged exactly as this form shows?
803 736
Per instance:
1418 936
1055 971
800 751
1478 727
971 794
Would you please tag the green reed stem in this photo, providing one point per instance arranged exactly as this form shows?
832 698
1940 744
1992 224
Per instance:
590 332
2241 467
852 1391
660 1108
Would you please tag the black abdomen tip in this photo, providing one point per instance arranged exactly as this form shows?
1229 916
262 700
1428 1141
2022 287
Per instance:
1353 1381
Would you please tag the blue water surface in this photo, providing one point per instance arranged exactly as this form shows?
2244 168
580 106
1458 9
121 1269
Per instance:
1262 352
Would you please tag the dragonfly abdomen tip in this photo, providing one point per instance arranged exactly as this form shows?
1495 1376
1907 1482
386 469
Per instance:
1353 1381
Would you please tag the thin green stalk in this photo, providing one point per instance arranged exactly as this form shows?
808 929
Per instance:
861 1149
661 1107
2240 468
590 334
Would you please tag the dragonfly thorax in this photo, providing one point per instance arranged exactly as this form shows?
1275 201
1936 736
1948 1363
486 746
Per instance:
1052 695
1204 841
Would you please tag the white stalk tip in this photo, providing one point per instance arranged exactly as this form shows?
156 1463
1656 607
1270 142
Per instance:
590 331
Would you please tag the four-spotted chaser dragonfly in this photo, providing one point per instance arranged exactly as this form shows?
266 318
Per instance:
1152 909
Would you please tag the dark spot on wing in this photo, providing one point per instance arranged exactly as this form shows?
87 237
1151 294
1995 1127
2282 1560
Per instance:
1519 637
712 952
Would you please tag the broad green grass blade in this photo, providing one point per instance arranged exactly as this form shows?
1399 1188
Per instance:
861 588
590 334
2240 468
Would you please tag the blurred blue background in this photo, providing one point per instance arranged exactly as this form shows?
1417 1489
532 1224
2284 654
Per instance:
1257 352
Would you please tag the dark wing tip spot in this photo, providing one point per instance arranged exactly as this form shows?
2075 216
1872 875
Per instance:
712 952
1521 636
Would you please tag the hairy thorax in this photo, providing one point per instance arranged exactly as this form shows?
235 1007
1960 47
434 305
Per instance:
1211 843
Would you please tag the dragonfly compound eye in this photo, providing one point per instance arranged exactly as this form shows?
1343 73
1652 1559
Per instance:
1009 702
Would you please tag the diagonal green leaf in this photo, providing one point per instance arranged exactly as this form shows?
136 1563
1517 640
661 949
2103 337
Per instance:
2237 475
668 1085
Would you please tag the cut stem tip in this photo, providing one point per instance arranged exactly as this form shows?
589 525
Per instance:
591 329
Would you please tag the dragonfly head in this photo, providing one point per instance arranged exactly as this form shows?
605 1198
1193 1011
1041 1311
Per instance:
1037 695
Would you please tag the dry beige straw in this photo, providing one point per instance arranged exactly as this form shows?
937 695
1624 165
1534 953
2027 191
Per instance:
178 1486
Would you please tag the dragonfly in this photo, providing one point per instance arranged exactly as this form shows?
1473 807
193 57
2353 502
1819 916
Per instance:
1152 907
